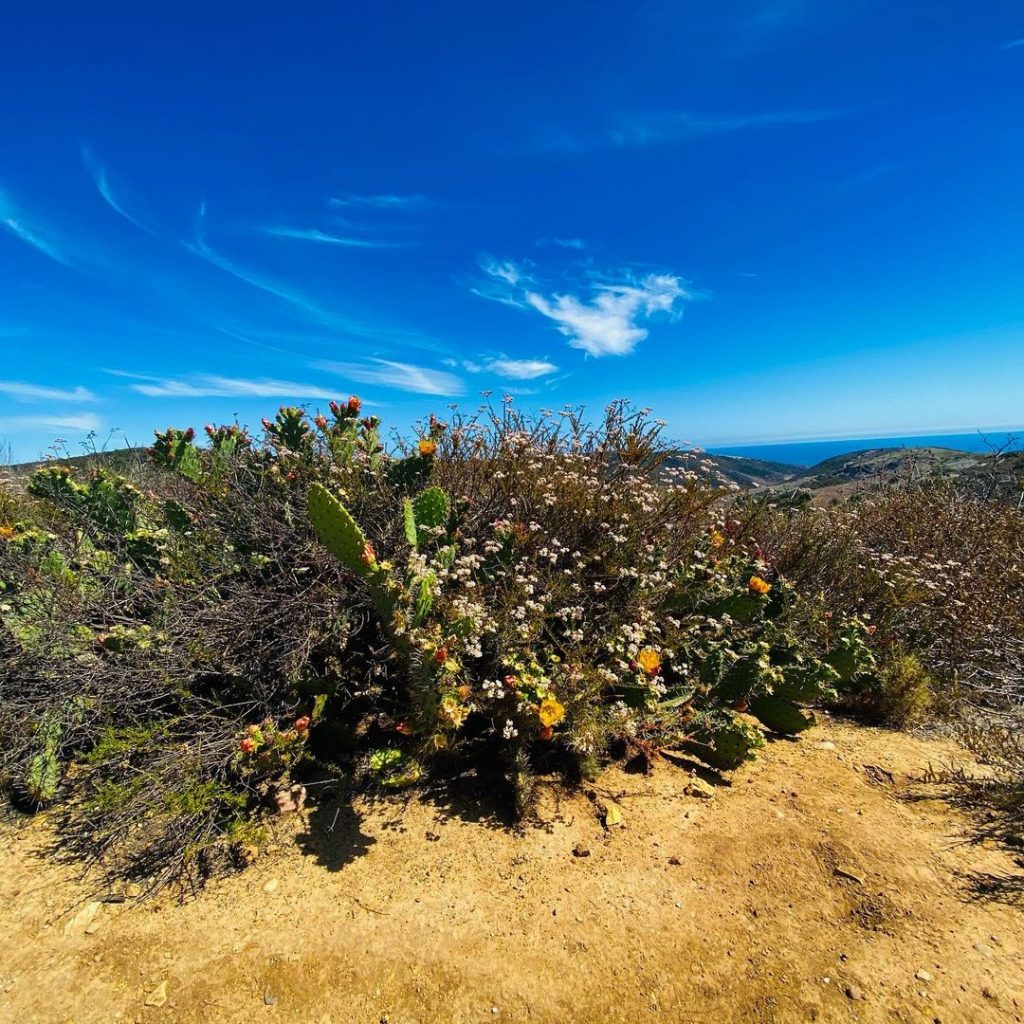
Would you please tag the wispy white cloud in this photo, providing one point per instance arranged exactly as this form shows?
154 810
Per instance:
278 289
100 177
1012 45
315 235
660 127
502 281
83 423
388 373
208 385
413 201
14 220
510 369
22 391
562 243
608 323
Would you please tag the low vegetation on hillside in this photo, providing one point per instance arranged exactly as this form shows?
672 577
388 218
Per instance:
184 644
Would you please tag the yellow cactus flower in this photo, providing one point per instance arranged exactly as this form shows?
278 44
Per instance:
717 538
6 532
649 660
452 712
427 447
550 712
758 585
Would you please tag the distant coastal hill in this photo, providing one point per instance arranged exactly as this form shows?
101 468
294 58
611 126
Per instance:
853 473
833 479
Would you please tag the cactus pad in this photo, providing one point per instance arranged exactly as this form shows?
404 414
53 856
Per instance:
409 522
432 507
339 532
781 715
732 742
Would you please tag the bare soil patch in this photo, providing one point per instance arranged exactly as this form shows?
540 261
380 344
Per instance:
822 884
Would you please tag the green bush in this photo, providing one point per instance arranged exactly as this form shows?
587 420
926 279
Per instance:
520 593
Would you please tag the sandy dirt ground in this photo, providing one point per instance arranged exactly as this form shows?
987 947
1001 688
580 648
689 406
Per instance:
813 888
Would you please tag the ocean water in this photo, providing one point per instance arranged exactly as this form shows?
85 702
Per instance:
807 453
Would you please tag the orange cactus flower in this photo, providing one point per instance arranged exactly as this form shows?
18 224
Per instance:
550 712
427 446
545 732
247 745
354 405
758 585
649 660
369 556
302 724
465 692
6 532
441 655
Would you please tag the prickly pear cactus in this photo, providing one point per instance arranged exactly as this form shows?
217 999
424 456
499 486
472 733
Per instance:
340 533
56 484
409 473
781 715
42 773
424 598
729 743
807 682
176 450
289 430
409 522
850 655
432 507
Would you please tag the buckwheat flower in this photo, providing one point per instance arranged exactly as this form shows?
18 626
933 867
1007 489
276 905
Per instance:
510 731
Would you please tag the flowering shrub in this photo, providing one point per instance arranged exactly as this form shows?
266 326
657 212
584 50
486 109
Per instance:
539 593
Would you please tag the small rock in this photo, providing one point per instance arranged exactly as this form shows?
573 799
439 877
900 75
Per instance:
855 992
269 999
93 928
612 814
699 788
271 885
83 918
579 850
674 861
983 949
133 891
826 745
923 975
158 996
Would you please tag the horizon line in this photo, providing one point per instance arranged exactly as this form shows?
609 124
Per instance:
817 439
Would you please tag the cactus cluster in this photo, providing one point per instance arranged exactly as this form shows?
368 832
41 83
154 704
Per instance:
108 501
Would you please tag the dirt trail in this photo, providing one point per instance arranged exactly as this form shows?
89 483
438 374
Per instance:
809 889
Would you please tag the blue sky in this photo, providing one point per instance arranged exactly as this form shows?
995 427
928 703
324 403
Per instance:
765 219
